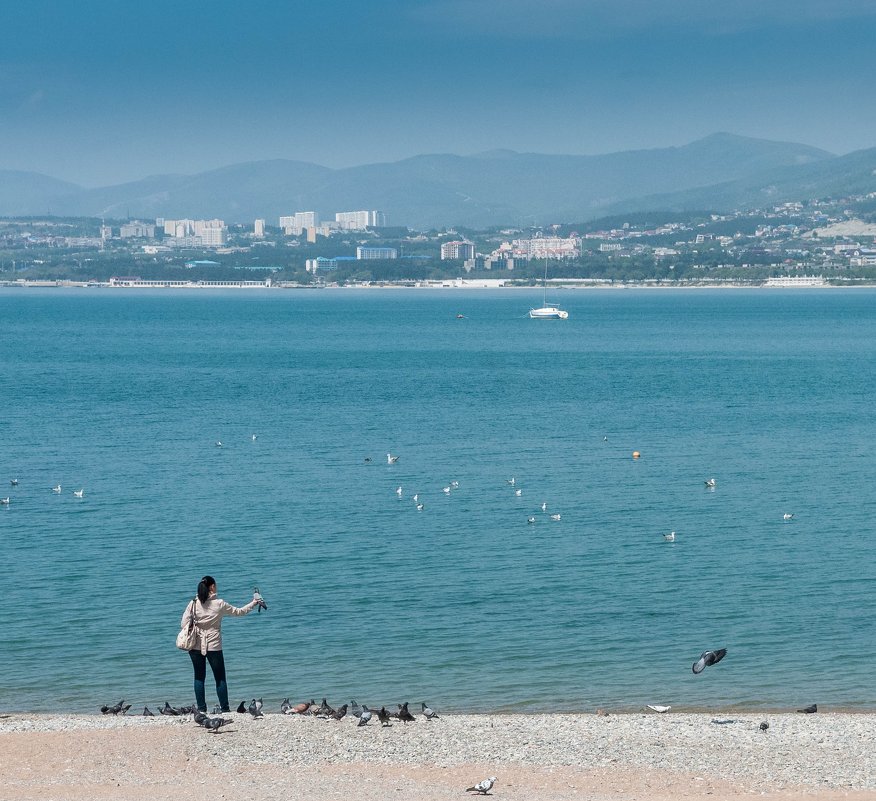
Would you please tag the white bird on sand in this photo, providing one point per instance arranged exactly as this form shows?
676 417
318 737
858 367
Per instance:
4 501
658 708
670 537
482 787
710 483
398 491
390 459
79 493
56 489
544 507
556 517
787 516
518 492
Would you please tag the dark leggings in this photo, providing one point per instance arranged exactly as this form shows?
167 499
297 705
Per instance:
217 665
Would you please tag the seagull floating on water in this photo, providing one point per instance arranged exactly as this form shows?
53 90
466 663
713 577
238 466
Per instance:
556 517
4 501
218 443
518 492
420 507
670 537
530 519
454 484
544 507
787 516
57 489
13 482
398 491
511 481
447 490
79 493
416 497
711 483
390 459
255 437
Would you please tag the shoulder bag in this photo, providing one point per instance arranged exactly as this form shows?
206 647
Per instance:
189 637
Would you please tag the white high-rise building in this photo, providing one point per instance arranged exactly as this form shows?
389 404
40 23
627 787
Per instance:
258 229
360 220
294 224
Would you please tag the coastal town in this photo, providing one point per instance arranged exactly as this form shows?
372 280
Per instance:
813 243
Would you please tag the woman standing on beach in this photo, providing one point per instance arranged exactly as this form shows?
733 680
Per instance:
209 611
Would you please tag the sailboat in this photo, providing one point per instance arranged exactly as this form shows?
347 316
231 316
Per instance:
547 312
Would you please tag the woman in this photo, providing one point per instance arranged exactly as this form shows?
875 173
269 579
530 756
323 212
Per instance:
209 611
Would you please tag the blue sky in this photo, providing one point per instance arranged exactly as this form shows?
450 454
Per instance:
106 91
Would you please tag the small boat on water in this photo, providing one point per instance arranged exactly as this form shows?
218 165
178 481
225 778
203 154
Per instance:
547 312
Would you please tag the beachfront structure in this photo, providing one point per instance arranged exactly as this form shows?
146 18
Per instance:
457 250
543 247
295 224
360 220
320 263
376 253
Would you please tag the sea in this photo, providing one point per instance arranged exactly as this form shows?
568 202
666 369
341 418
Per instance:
479 601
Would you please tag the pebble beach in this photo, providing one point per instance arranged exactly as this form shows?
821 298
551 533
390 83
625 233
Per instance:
536 757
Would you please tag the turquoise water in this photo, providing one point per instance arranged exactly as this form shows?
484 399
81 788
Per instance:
463 604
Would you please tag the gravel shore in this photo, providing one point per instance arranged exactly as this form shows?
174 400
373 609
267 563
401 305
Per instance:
618 756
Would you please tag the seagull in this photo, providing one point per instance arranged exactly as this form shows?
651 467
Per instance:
518 492
4 501
809 709
390 459
711 483
511 481
13 482
218 443
556 517
79 493
530 519
255 437
57 489
708 658
428 712
544 507
788 516
482 787
447 490
658 708
398 491
670 537
420 507
764 726
416 497
454 484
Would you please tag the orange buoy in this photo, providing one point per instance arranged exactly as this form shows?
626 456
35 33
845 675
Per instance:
636 454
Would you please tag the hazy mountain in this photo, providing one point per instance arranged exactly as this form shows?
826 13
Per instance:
490 188
31 193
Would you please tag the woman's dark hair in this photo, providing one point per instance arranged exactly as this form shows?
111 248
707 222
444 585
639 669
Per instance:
204 588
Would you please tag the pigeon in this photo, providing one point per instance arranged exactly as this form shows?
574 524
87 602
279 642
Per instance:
659 708
809 709
355 709
217 710
147 712
213 725
285 706
114 710
390 459
200 717
260 602
404 715
764 726
383 717
708 658
340 712
482 787
254 708
125 708
300 709
167 709
428 712
324 709
242 708
364 716
670 537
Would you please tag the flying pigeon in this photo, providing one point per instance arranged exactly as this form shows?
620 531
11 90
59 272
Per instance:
482 787
708 658
428 712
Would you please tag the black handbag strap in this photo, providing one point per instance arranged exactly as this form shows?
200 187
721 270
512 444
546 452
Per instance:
194 619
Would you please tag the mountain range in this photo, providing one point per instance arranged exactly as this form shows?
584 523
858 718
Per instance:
718 173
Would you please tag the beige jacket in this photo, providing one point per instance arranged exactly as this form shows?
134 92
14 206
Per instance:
208 619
